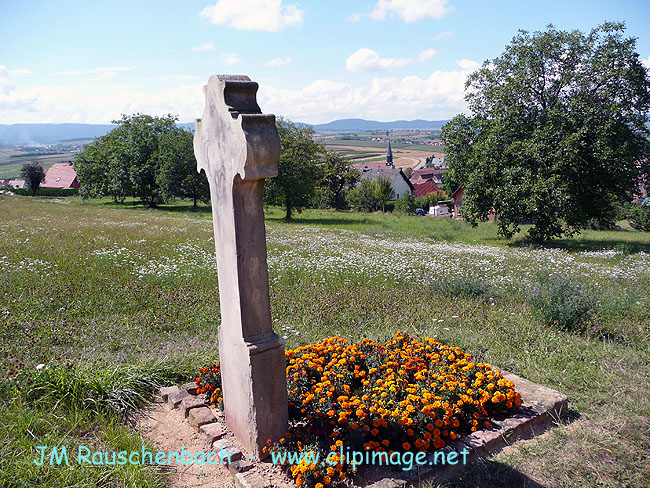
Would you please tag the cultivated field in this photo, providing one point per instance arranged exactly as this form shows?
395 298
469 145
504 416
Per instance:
10 163
359 147
113 300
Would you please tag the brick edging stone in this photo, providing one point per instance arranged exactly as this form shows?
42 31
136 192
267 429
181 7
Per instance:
540 408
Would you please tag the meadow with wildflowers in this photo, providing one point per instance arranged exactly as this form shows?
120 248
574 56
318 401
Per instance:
91 292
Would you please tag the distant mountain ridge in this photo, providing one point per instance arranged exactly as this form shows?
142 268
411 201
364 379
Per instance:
50 133
363 124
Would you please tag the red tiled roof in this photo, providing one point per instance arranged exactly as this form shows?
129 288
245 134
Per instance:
60 175
426 188
372 165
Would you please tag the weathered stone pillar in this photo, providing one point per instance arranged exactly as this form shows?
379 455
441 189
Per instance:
238 147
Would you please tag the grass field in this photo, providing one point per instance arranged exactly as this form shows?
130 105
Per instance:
106 296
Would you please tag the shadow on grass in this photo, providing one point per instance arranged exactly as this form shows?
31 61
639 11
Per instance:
585 244
166 207
492 474
320 221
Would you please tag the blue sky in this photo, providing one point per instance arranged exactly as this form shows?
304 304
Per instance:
315 61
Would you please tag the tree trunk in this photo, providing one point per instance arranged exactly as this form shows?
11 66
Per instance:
287 204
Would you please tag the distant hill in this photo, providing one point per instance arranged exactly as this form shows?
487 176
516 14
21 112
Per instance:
48 133
363 125
51 133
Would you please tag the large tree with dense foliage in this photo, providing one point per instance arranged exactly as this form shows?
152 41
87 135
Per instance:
178 176
338 175
558 128
127 160
33 174
298 168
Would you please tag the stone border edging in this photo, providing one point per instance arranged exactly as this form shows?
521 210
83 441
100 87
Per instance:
540 408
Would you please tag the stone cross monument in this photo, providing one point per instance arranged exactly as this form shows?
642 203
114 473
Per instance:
238 147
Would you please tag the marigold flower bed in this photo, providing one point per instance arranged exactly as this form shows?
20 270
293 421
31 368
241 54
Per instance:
405 395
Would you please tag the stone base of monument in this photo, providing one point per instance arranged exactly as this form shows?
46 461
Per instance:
541 408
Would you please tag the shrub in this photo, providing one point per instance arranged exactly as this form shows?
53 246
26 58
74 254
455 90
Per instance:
405 395
640 217
323 198
407 204
561 302
362 198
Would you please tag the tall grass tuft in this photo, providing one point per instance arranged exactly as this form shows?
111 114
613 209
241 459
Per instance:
561 302
113 392
463 287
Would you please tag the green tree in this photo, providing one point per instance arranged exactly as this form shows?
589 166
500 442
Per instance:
102 169
141 135
640 217
362 198
126 161
178 176
33 174
338 175
430 200
557 129
407 204
298 169
383 191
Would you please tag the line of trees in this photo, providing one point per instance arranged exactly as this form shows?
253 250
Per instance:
151 158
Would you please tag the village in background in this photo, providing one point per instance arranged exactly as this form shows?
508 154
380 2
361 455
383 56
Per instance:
412 160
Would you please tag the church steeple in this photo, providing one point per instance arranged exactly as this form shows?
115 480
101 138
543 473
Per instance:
389 155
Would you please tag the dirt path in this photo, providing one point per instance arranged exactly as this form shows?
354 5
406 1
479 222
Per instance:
168 431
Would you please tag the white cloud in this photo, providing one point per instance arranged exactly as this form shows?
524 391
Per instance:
646 62
354 18
439 96
17 72
84 104
206 46
278 62
442 35
264 15
427 54
230 59
410 10
468 65
368 60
